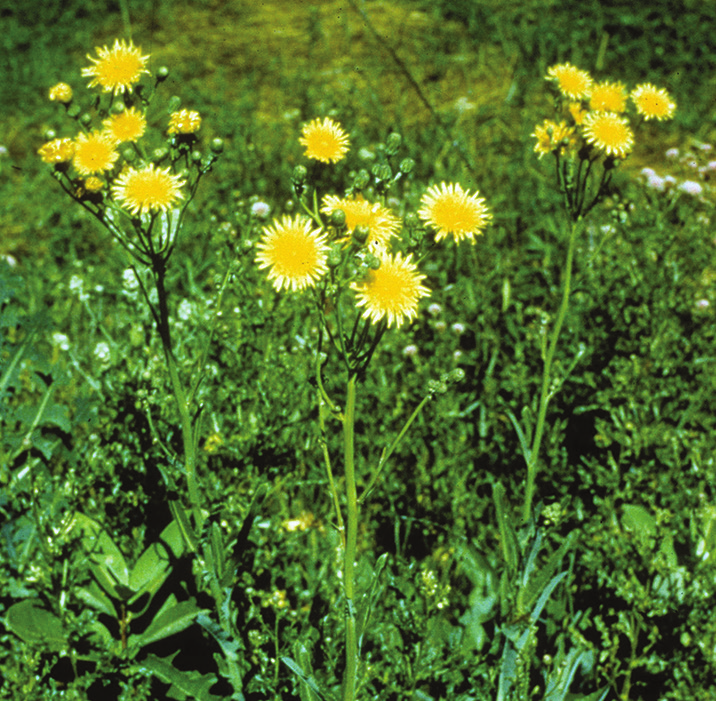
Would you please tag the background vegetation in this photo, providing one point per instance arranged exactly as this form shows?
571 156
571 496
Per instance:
626 491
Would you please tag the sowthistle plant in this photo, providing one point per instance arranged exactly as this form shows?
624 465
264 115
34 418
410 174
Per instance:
592 137
348 251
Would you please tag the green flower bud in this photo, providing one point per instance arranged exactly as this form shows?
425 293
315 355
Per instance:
217 146
373 262
406 165
338 218
411 220
73 111
162 73
361 233
382 172
50 134
86 119
392 143
299 175
361 180
159 154
334 256
174 103
128 154
196 156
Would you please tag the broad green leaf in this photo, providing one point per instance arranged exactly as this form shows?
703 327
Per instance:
152 568
185 685
508 537
172 618
35 625
639 520
93 596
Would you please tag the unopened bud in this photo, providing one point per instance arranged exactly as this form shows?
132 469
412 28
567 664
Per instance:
382 172
159 154
361 180
406 165
338 218
361 233
411 220
86 119
392 143
162 73
217 146
196 156
129 155
299 175
174 103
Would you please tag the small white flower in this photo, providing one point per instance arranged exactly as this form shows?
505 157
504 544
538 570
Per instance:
61 340
260 210
440 326
457 356
102 352
184 311
690 187
458 328
655 183
672 153
648 172
434 309
129 280
410 351
76 286
703 304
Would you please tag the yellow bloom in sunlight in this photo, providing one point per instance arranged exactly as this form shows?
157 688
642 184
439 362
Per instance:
392 291
552 137
609 132
652 102
359 212
452 210
94 184
60 93
324 140
184 122
571 81
608 97
295 253
148 189
57 151
94 152
128 125
577 112
117 69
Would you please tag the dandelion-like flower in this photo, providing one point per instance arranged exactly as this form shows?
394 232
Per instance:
94 152
652 102
57 151
295 253
184 122
392 291
608 97
608 132
577 112
324 140
60 93
117 69
381 222
94 184
452 210
571 81
552 137
128 125
148 189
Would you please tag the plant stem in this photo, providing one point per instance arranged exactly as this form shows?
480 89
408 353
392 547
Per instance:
349 681
546 394
159 267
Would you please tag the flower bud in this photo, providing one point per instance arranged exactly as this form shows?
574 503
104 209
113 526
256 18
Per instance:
159 154
382 172
50 134
392 143
372 261
173 104
129 154
335 255
299 175
217 146
196 156
361 180
86 119
162 73
338 218
61 93
361 233
406 165
411 220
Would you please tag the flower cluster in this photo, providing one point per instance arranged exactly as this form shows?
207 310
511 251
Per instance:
113 165
593 125
306 251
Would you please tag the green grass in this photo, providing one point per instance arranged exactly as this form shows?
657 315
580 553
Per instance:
618 559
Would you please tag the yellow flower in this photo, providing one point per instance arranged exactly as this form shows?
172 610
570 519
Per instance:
571 81
324 141
552 137
577 111
452 210
57 151
359 212
652 102
116 69
147 190
94 152
94 184
608 97
392 291
61 93
295 253
128 125
184 122
608 132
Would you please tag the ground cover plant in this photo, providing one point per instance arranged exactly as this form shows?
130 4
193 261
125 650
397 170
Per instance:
373 394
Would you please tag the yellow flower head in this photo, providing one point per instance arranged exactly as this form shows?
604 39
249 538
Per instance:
571 81
608 97
128 125
94 184
94 152
61 93
117 69
392 291
359 212
577 112
184 122
295 253
149 189
609 133
552 137
57 151
652 102
452 210
324 140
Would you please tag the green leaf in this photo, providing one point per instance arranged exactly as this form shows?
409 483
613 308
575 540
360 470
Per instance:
93 596
508 536
36 625
306 679
172 618
185 685
639 520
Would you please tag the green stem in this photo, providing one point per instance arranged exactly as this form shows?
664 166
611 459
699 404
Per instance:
349 681
159 266
545 394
